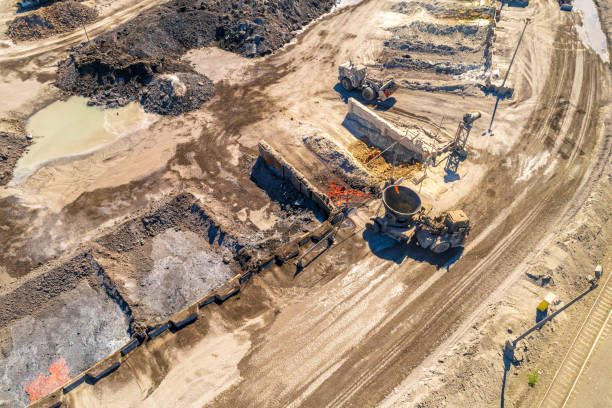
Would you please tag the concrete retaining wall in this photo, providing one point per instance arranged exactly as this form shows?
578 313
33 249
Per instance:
365 123
274 160
180 319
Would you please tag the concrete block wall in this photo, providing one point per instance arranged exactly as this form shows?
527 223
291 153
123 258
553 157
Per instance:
382 134
274 160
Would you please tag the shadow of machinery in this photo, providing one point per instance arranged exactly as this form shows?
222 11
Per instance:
391 250
451 167
380 105
507 365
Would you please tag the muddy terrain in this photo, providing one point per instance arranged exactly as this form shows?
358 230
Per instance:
112 247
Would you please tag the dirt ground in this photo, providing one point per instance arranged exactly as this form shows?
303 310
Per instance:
592 390
369 323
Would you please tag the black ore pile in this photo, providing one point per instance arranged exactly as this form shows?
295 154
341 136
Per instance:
115 68
55 19
176 93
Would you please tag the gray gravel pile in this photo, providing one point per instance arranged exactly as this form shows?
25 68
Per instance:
63 329
185 267
339 161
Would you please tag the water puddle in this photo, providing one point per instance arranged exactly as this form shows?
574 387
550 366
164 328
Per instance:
590 31
71 128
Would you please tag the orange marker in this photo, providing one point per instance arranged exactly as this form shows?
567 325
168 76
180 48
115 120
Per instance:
397 190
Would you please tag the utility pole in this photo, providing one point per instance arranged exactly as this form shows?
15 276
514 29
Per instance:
527 21
88 39
427 163
511 345
86 35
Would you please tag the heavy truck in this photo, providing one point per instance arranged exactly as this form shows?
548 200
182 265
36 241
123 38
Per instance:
406 218
355 77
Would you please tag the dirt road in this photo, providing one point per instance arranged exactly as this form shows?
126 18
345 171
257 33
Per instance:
352 326
65 41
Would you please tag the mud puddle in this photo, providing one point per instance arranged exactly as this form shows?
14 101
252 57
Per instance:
70 128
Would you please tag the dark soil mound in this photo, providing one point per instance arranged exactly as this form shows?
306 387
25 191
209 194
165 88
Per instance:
12 146
33 294
54 19
115 68
173 94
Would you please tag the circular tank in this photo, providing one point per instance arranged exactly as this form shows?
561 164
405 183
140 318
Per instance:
401 201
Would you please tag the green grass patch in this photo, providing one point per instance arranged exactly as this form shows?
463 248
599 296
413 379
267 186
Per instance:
533 378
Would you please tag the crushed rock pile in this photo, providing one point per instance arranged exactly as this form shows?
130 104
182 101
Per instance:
173 94
115 68
410 62
454 87
456 45
339 161
379 169
440 39
445 10
55 19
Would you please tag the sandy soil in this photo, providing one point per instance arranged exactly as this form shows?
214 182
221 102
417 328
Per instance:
218 64
592 390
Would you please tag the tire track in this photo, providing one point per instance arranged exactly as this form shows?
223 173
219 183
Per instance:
466 282
461 287
33 49
546 123
589 109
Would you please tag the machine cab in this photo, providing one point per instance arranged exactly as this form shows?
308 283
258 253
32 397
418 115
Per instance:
457 221
355 73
